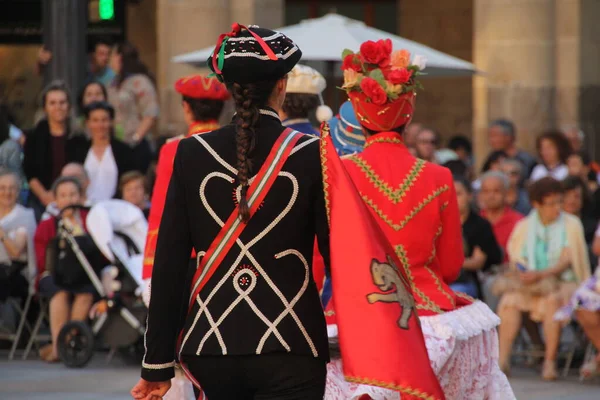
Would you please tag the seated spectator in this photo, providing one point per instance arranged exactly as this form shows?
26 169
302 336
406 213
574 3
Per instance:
493 163
502 136
133 190
105 159
65 304
553 149
480 246
17 253
49 146
77 171
577 202
516 196
494 187
585 307
426 144
549 256
92 92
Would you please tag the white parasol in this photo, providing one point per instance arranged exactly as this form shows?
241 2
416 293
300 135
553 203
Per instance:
324 39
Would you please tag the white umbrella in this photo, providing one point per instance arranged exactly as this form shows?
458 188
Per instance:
324 39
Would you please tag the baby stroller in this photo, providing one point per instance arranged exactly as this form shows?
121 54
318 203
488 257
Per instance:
118 230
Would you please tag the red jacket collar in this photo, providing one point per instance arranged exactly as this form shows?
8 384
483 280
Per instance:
201 127
385 137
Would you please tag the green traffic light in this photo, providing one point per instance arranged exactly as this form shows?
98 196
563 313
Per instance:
106 9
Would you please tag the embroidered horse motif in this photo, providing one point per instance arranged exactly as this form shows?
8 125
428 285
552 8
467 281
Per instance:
386 276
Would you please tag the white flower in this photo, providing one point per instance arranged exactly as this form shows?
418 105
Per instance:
420 61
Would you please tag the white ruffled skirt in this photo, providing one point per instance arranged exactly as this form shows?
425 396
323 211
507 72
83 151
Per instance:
463 351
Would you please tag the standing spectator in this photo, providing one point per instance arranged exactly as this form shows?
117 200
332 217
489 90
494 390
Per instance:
575 136
426 144
553 149
132 187
494 187
502 136
480 246
516 196
105 158
17 253
133 96
99 69
92 92
411 133
49 146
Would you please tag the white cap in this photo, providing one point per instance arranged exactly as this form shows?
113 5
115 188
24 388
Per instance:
304 79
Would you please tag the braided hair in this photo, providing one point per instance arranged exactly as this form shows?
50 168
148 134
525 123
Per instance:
248 98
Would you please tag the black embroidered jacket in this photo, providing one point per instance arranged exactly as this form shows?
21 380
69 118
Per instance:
262 298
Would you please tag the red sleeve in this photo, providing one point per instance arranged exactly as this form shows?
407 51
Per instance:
45 231
164 170
450 243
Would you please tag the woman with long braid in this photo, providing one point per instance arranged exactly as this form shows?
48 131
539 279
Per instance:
248 198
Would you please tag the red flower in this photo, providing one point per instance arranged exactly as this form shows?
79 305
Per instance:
378 53
399 76
352 61
374 91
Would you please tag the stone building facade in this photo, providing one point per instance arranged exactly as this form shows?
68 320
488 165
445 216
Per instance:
540 59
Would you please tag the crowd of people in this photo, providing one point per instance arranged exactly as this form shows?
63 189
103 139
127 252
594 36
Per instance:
529 221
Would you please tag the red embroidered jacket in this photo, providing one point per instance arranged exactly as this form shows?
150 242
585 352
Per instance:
164 170
415 204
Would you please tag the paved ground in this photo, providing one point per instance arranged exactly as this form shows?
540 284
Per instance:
34 380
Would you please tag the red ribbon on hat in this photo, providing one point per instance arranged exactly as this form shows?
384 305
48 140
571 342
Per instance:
235 29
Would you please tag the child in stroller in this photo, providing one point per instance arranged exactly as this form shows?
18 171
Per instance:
74 258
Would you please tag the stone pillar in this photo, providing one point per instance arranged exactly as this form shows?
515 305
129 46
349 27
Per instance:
514 44
267 13
183 26
447 26
187 25
589 81
64 31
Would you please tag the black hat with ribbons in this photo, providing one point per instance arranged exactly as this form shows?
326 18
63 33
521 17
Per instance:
253 54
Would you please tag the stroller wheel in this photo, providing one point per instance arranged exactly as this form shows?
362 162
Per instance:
76 344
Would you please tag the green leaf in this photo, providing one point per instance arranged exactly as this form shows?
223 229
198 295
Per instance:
346 53
377 75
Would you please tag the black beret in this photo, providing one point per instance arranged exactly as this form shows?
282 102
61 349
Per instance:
245 59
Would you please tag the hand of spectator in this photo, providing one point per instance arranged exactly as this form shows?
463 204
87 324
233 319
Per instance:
145 390
530 277
44 56
47 198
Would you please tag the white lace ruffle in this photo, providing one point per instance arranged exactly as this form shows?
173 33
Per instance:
462 323
463 351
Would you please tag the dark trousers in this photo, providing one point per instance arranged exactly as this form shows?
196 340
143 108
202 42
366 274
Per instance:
279 376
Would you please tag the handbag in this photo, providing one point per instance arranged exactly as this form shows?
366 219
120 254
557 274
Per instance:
510 281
